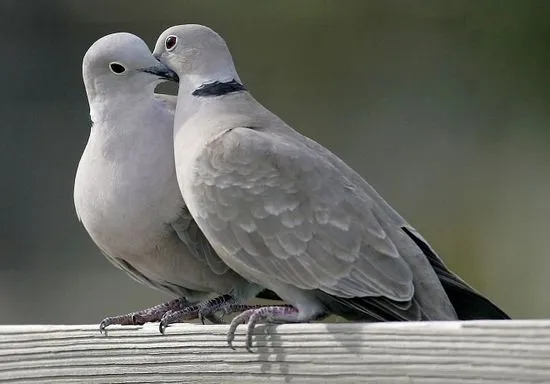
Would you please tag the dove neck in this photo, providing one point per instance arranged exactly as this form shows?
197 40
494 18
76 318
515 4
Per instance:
107 97
218 88
104 107
210 83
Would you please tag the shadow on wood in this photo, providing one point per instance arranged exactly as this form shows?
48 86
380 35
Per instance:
428 353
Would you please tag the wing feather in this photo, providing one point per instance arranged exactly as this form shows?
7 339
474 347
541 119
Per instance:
189 233
280 210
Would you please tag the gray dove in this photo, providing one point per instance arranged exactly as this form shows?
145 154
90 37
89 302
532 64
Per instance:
286 213
126 193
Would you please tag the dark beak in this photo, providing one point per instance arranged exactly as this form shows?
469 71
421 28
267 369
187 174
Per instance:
163 73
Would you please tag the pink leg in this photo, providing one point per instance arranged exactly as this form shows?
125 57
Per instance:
205 310
178 316
146 315
269 314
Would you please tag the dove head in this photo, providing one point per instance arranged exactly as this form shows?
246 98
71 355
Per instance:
121 64
197 54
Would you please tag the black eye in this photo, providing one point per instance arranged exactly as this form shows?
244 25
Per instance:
117 68
170 42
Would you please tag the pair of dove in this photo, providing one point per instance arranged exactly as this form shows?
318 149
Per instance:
211 193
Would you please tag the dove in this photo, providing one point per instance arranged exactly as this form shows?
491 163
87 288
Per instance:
286 213
126 193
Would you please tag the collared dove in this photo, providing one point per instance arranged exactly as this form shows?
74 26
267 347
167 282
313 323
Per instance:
286 213
126 193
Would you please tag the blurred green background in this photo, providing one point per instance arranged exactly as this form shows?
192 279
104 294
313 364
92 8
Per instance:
443 106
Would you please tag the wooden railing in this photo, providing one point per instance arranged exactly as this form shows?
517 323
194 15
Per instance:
425 353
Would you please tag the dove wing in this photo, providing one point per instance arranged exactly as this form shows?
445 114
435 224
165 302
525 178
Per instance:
275 209
189 233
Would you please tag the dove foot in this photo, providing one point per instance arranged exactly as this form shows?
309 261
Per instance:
265 314
225 304
146 315
178 316
207 309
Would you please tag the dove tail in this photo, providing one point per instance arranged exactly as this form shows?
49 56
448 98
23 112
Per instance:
470 305
467 302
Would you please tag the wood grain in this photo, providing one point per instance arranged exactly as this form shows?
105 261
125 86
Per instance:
428 353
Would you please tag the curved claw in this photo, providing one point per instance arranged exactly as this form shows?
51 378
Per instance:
165 321
130 319
103 325
237 320
252 322
162 326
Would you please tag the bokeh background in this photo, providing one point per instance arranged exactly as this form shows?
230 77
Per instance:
443 106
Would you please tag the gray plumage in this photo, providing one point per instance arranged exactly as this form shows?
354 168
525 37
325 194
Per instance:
126 193
286 213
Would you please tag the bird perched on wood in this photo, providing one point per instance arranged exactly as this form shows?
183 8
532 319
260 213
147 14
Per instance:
126 193
286 213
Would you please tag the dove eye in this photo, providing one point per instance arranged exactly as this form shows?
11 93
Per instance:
117 68
170 42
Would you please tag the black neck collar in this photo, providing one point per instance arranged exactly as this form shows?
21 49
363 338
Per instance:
218 88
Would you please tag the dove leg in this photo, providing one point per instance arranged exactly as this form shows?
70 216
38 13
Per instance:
207 310
226 304
146 315
266 314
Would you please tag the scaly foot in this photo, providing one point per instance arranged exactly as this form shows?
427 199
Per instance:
266 314
207 309
146 315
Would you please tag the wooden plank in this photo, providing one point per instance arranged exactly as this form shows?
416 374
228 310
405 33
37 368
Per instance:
428 353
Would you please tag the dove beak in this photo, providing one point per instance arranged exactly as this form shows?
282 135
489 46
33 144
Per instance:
162 72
